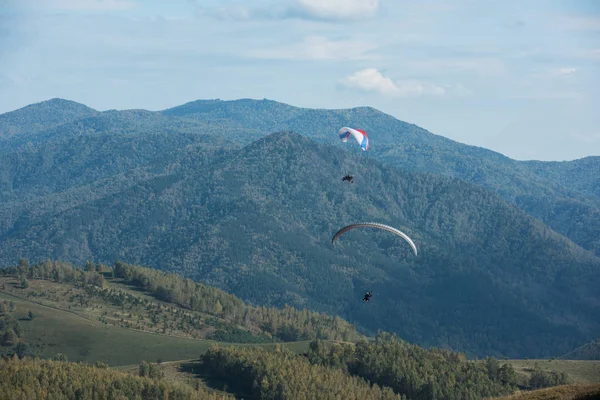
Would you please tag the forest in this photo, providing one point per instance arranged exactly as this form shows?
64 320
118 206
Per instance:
386 367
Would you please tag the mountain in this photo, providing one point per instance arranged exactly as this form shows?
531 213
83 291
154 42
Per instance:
41 116
565 195
74 161
257 221
579 175
589 351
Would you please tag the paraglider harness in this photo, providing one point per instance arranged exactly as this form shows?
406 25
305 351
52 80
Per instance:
367 296
348 178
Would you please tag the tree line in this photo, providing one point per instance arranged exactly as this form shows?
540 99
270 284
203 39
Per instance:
286 324
261 374
418 373
31 378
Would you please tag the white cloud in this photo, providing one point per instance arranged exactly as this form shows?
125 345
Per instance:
371 80
83 5
305 9
319 48
339 9
566 71
234 12
238 12
554 73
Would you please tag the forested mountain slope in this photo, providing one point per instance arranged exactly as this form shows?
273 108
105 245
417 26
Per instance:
41 116
258 221
564 195
589 351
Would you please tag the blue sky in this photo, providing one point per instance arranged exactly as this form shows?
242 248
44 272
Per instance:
521 77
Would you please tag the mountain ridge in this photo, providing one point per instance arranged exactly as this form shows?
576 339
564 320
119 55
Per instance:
566 196
45 114
60 102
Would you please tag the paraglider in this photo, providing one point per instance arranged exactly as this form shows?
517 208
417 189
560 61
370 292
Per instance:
359 135
378 226
361 138
348 178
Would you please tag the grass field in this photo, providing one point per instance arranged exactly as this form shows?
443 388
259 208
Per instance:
54 330
159 318
578 371
57 331
564 392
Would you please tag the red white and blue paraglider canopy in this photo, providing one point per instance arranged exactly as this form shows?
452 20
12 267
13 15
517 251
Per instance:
360 136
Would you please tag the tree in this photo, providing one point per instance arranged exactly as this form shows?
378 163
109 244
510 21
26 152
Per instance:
24 283
23 349
9 337
155 372
144 369
23 268
89 266
218 308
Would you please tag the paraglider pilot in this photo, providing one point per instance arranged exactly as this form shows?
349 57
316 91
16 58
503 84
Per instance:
348 178
367 296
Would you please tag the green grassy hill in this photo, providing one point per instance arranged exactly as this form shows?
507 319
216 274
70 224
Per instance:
579 371
66 328
55 331
141 315
563 392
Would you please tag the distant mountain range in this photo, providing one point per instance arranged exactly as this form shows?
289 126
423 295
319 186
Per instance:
246 194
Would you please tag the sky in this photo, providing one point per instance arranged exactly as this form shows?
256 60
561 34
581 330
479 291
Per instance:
521 77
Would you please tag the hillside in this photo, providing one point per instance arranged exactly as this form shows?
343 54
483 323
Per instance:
41 116
563 392
559 195
41 379
122 123
589 351
54 310
564 195
579 175
77 313
57 317
577 371
73 162
257 221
